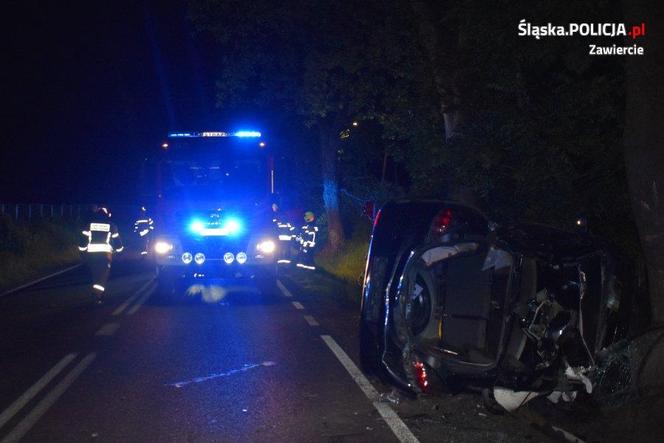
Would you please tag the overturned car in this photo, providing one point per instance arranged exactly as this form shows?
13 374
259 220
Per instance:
516 311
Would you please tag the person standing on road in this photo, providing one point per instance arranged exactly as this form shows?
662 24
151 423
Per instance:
307 239
99 240
143 227
286 233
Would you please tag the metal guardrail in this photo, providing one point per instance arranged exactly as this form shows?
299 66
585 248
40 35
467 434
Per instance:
31 211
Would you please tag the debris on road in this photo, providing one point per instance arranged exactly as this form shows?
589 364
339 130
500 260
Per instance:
244 368
391 397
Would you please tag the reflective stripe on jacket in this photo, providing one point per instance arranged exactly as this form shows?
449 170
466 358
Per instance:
100 236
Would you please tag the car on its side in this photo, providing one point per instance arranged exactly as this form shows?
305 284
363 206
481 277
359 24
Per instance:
516 311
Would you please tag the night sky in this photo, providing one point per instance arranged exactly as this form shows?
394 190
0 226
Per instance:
89 89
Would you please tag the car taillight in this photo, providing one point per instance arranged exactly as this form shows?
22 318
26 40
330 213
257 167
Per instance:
442 221
421 377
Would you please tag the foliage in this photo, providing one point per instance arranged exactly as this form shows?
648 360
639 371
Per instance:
541 127
28 249
348 263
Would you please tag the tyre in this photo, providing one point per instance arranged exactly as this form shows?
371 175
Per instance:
398 226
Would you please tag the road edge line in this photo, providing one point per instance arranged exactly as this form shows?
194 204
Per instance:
35 389
39 280
25 425
401 431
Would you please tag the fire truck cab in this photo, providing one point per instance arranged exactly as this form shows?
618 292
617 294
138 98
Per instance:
212 209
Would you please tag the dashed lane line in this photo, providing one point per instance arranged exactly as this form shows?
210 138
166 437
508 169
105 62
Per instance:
297 305
131 299
139 303
108 329
398 427
284 289
28 395
312 321
24 426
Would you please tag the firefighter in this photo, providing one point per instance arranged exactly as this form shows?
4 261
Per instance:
307 240
99 240
143 227
286 233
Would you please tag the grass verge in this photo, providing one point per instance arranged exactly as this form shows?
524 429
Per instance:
347 264
30 249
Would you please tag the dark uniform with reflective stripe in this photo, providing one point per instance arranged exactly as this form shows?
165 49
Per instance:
307 239
99 240
143 227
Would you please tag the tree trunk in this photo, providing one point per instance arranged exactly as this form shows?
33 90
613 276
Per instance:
644 143
444 74
328 150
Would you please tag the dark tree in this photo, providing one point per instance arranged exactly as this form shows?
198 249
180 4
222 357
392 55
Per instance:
644 145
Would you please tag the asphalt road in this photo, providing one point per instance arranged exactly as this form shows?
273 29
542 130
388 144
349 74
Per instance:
227 364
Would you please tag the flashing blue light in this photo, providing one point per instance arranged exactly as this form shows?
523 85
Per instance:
232 226
196 226
254 134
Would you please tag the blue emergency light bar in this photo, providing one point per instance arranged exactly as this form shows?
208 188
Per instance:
252 134
241 134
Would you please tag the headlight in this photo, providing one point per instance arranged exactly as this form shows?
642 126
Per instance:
241 258
199 258
163 247
228 258
187 258
266 246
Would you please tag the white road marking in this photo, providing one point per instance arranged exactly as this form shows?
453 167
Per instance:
398 427
283 289
244 368
108 329
23 400
297 305
24 426
131 299
139 303
312 321
39 280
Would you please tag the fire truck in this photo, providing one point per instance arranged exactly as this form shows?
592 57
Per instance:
213 193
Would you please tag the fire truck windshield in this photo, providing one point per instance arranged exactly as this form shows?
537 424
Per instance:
220 168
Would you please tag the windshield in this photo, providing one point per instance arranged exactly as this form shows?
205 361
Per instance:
225 168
